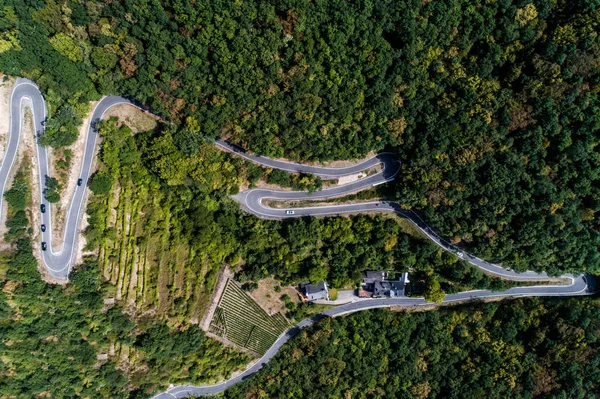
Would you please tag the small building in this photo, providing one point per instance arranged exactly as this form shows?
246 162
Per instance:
314 292
371 277
380 288
377 283
396 289
404 278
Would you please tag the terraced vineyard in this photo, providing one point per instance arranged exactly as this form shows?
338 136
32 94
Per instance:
242 321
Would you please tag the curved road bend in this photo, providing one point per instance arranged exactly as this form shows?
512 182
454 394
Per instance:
578 287
59 263
251 201
323 172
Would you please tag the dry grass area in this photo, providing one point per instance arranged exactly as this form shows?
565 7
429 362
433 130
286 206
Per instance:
5 91
263 184
336 164
279 204
268 299
68 179
137 120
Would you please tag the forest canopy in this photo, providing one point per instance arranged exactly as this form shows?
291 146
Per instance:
519 349
493 107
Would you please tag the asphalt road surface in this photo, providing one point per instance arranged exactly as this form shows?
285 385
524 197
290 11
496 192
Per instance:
59 263
578 286
251 201
24 93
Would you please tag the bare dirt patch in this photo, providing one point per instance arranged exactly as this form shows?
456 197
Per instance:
279 204
61 208
27 153
224 275
335 164
268 299
5 92
137 120
276 187
350 178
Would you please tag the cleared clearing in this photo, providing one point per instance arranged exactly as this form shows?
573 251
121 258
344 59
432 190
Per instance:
239 319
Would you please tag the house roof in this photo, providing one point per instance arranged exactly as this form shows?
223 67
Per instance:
313 289
372 276
381 288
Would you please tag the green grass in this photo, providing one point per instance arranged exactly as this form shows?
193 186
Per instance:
242 321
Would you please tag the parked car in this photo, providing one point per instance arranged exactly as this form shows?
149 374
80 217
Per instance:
44 245
43 208
288 212
80 181
43 228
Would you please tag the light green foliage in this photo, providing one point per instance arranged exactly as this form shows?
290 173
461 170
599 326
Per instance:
333 293
103 58
67 46
486 350
434 292
526 14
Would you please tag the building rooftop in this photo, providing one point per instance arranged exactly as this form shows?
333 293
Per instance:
317 291
372 276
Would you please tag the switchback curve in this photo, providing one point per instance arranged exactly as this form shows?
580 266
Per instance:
59 263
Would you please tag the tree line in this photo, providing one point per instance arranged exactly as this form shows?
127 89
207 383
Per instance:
543 348
492 108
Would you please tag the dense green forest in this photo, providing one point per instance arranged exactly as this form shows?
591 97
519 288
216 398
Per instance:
54 338
493 107
339 250
165 243
519 349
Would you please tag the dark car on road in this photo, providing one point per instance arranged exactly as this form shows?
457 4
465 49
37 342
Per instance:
43 228
44 245
80 181
43 208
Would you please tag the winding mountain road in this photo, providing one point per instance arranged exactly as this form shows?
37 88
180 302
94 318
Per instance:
60 263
